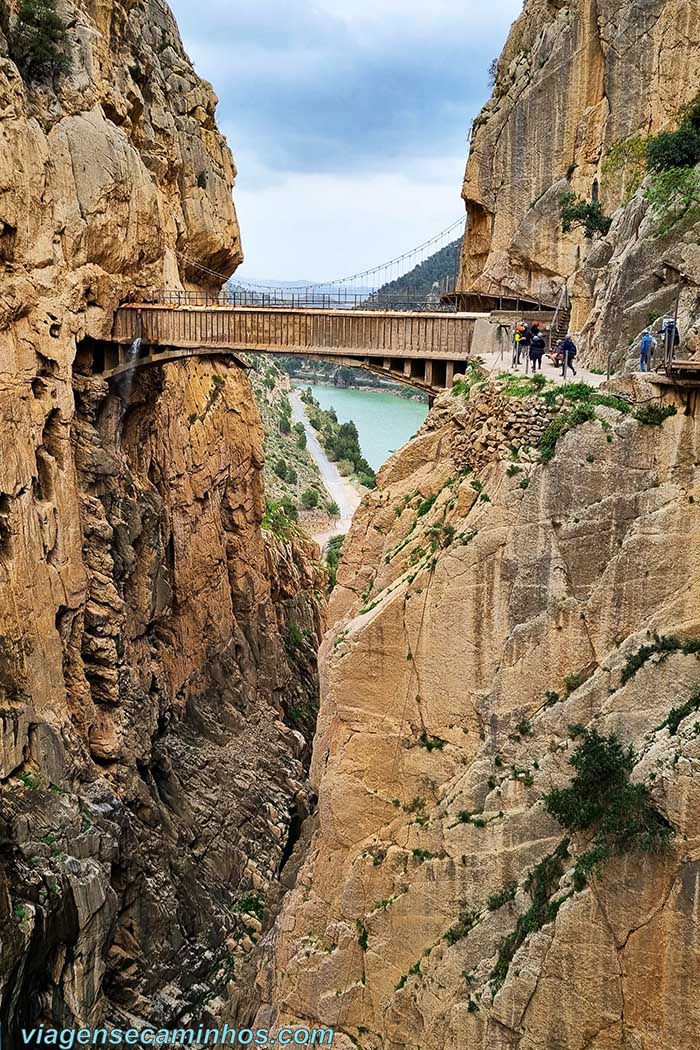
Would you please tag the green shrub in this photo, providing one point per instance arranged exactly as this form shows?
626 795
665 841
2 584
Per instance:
425 505
333 554
279 518
602 799
38 41
542 883
466 922
280 469
575 211
573 682
431 743
285 425
497 900
294 638
674 195
289 508
309 499
333 509
362 934
345 467
674 149
654 415
582 412
677 714
662 645
672 157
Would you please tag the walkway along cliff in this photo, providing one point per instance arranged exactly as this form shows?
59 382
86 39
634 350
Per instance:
579 87
157 649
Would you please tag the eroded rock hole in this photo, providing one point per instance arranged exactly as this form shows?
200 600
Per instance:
8 236
5 510
96 356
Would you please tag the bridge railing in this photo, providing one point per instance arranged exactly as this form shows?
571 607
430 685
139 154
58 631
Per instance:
308 299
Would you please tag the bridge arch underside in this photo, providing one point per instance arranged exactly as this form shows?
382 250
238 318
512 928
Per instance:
424 351
427 376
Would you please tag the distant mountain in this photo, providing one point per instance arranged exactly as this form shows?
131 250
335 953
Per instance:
420 280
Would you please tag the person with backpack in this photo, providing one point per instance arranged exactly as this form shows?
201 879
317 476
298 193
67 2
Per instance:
569 351
521 342
537 347
646 349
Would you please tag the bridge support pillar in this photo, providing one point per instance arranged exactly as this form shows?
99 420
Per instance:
449 374
429 373
407 368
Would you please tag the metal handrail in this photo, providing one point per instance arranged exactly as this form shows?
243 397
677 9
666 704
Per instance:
337 300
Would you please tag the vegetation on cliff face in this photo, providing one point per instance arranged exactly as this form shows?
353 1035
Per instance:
293 482
588 215
673 158
602 800
38 40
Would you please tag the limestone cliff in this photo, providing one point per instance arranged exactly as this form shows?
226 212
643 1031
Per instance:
579 80
157 649
487 602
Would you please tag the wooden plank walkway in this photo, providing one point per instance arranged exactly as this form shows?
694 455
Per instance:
423 348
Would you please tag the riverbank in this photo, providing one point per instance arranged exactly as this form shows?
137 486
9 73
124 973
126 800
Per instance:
343 491
384 422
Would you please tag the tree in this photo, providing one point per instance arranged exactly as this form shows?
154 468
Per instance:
309 499
575 211
38 41
333 553
285 425
674 194
674 149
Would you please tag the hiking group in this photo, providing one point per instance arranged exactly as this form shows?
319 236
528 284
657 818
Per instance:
528 341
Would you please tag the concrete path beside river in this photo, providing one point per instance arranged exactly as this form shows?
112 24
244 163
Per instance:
339 488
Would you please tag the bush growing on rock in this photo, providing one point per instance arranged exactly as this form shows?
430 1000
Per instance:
309 499
575 211
38 41
602 799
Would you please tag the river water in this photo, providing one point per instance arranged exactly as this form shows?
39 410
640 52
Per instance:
384 422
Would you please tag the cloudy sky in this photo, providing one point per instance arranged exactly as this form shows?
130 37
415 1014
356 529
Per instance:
348 120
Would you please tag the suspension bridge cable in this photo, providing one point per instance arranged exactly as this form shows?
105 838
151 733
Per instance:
336 281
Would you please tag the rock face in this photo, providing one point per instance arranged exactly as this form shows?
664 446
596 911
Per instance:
578 82
486 603
157 649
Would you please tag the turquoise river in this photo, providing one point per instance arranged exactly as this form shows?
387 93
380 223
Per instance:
384 422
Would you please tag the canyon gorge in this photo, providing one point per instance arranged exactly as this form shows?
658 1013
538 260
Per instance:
227 797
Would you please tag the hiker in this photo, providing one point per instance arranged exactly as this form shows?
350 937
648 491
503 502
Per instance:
521 342
569 351
646 350
537 347
671 337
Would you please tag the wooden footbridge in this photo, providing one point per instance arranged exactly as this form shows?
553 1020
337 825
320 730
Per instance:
423 347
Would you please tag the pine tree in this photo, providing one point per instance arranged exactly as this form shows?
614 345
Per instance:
39 42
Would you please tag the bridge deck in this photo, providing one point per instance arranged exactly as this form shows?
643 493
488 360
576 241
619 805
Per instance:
423 348
287 330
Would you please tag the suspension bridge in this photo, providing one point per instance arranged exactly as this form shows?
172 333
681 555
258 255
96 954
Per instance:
417 335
